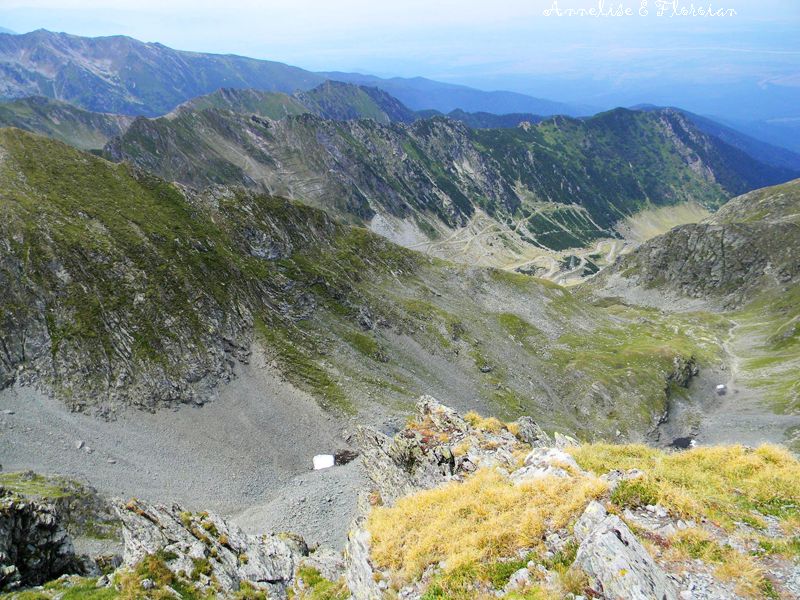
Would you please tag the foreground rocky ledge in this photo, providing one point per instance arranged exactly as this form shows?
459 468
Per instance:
462 507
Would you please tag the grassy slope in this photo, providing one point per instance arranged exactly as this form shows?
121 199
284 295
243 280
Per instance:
127 280
480 531
272 105
62 121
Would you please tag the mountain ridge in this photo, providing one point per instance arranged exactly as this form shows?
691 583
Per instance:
120 74
559 183
764 151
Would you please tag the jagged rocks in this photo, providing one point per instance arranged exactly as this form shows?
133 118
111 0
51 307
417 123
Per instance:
219 554
617 564
439 445
360 575
730 257
34 547
531 433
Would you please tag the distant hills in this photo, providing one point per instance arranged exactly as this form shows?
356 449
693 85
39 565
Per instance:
420 93
122 75
367 155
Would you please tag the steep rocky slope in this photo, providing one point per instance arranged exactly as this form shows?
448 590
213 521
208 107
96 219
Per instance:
742 263
760 150
62 121
750 245
118 288
558 184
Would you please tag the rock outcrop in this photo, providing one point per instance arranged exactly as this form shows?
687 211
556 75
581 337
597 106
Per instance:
219 554
752 243
440 445
616 562
34 546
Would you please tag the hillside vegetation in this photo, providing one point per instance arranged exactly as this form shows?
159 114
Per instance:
62 121
118 288
558 184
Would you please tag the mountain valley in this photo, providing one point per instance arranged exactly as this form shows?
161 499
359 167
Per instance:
538 356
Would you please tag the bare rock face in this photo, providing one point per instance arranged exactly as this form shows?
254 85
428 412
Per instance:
360 573
750 244
219 552
34 547
617 564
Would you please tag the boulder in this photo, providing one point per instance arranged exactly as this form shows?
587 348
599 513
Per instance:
546 462
230 557
518 581
34 546
564 441
618 566
531 433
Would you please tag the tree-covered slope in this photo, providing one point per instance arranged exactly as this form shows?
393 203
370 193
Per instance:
63 121
117 288
557 184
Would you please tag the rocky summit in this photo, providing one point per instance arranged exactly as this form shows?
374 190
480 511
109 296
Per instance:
463 506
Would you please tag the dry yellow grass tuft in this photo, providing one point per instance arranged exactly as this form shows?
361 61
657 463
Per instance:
489 424
475 522
731 565
721 483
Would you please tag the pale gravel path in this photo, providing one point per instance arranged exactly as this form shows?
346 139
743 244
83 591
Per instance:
238 454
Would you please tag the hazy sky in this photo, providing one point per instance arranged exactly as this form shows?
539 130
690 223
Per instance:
506 44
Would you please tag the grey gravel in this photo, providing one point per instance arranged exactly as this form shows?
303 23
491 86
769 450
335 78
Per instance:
246 455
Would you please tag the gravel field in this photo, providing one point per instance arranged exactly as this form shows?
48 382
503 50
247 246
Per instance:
248 454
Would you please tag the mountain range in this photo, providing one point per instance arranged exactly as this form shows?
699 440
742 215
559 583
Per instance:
119 74
121 289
